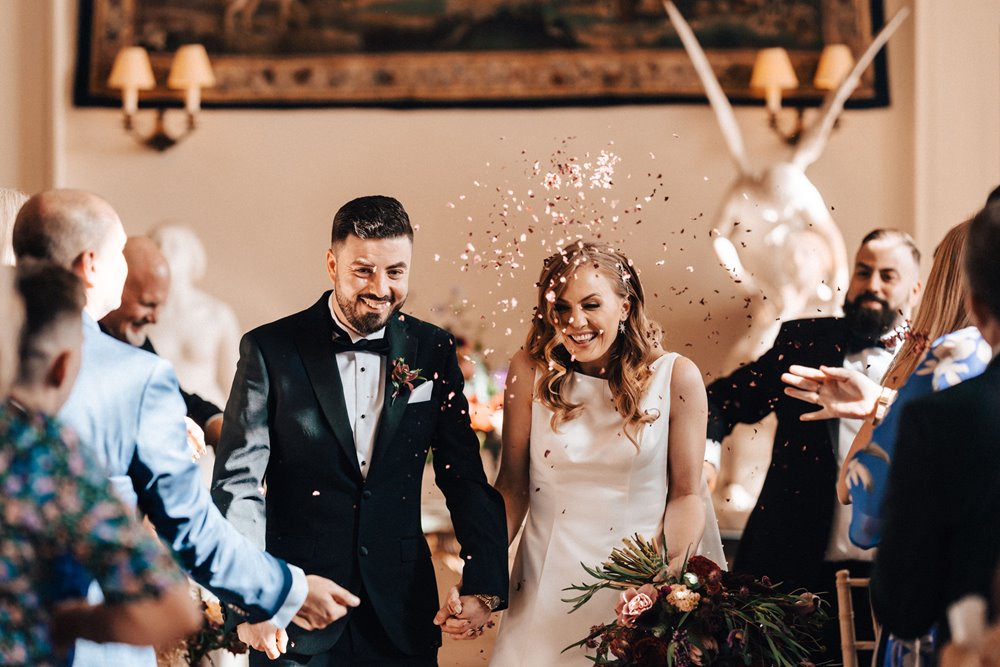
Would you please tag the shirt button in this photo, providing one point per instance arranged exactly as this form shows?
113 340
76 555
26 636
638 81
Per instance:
362 369
364 551
362 416
366 494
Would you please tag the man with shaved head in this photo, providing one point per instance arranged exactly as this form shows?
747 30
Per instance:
128 412
146 289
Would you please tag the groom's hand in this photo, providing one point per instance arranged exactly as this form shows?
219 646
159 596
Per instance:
325 603
264 637
462 617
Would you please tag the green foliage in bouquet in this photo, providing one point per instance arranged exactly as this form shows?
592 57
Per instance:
703 616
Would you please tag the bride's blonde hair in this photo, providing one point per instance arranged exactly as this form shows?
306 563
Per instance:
628 373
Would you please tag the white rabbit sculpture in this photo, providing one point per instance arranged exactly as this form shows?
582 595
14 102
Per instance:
774 233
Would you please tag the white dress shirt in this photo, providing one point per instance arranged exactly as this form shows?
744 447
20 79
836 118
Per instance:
873 362
362 374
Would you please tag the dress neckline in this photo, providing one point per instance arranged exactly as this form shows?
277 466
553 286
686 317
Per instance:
652 366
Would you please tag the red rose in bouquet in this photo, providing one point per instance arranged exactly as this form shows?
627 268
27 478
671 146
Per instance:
704 616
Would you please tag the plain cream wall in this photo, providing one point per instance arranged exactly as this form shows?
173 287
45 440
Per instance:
261 186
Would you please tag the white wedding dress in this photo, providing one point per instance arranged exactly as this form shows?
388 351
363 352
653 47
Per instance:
589 488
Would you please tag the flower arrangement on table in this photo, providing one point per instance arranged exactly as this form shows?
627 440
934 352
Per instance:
704 616
210 637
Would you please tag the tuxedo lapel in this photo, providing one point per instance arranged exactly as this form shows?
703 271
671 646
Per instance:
320 361
402 346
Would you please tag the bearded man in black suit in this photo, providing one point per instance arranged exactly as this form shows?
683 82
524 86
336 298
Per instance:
941 536
334 409
797 533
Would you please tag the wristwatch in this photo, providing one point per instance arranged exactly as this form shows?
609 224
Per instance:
491 601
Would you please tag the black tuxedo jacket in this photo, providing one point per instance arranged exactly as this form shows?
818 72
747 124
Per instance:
941 536
286 426
788 531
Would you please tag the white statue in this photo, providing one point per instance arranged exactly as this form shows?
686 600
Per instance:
11 201
774 232
196 331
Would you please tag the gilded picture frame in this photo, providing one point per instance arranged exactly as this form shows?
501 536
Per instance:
288 53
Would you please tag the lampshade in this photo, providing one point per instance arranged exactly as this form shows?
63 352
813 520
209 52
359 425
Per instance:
131 70
191 68
835 63
773 69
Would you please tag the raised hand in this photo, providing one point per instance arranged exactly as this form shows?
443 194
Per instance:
841 392
462 616
264 637
325 603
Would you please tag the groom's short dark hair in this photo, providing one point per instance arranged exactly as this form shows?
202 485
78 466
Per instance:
371 217
981 264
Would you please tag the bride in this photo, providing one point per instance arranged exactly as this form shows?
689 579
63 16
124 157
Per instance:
604 437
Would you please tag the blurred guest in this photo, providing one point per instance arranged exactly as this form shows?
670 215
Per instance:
797 533
10 203
196 331
11 317
56 502
941 537
146 289
129 415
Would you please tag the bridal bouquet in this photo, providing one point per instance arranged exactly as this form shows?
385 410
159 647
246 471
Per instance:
195 649
704 616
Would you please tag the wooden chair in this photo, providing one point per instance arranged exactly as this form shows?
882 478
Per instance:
849 643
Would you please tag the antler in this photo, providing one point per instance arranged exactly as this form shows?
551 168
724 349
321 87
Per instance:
720 103
815 138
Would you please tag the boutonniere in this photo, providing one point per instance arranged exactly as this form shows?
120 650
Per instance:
402 377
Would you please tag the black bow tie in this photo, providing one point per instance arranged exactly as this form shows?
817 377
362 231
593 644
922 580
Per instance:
856 344
343 343
887 342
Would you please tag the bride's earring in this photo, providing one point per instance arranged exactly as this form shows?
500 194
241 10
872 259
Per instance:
621 326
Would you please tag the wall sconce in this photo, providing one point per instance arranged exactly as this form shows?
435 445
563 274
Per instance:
773 73
190 71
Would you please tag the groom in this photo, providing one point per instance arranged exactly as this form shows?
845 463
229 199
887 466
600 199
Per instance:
334 410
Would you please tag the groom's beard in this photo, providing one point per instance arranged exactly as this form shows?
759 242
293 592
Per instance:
366 322
869 323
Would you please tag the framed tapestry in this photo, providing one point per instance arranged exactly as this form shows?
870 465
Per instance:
470 52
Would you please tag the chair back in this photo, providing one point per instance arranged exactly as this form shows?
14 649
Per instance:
849 643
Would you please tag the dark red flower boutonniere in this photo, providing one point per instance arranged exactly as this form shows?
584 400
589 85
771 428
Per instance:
403 377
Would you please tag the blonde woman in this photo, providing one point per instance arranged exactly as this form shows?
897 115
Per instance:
604 437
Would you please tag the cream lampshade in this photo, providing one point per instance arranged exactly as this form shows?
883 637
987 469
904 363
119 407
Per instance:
131 72
772 73
191 71
835 63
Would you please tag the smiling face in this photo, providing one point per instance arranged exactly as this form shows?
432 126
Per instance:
370 280
884 287
146 289
586 317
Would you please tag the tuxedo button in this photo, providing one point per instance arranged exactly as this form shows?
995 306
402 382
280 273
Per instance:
364 551
366 494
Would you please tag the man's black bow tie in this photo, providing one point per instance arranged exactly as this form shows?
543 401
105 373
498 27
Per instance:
342 343
887 342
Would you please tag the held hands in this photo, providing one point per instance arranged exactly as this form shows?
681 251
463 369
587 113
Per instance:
463 617
841 392
264 637
325 603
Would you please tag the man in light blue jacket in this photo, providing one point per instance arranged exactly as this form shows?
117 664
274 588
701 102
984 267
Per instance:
128 412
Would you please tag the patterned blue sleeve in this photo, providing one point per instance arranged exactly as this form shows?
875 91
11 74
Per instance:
952 358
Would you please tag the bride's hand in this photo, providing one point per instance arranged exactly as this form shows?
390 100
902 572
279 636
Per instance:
462 617
675 566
